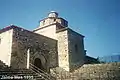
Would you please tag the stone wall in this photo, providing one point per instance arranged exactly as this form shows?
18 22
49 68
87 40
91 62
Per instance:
39 46
3 65
63 55
69 57
108 71
75 49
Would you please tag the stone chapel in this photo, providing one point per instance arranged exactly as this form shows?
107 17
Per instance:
52 51
52 44
70 44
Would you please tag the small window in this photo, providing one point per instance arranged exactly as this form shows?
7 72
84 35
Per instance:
54 20
44 22
0 40
76 48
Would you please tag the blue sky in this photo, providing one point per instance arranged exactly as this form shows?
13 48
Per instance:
97 20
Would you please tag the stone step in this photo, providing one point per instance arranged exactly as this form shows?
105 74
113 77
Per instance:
22 73
3 65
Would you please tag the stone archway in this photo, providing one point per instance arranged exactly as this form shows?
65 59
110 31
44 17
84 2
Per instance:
38 63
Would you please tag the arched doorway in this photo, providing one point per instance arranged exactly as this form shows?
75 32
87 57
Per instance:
38 63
